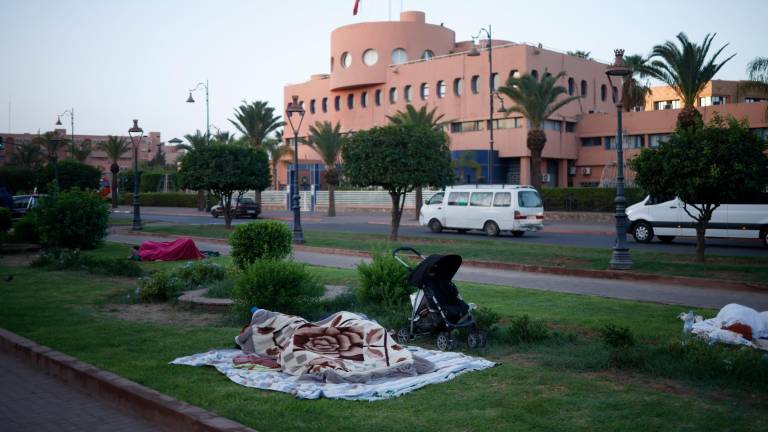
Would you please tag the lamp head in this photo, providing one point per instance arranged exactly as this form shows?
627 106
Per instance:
619 67
294 107
473 52
58 121
135 132
190 99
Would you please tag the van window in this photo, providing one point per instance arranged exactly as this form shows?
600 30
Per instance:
436 198
529 199
458 198
502 199
481 199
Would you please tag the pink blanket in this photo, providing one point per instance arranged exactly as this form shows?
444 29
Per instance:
181 249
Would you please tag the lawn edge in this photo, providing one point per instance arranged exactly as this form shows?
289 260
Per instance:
151 405
497 265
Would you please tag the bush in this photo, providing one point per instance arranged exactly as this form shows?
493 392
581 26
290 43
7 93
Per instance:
221 288
196 273
162 286
383 282
73 259
17 179
73 220
260 240
617 337
72 174
525 330
586 199
152 181
277 285
26 229
486 318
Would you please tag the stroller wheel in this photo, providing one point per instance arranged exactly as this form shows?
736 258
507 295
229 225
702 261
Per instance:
403 336
474 340
445 342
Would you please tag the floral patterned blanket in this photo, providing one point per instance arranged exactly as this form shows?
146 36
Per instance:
343 348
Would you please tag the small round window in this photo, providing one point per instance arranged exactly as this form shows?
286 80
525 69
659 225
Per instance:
346 60
370 57
399 56
427 55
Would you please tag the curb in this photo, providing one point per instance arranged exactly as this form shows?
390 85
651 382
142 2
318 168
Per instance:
584 273
153 406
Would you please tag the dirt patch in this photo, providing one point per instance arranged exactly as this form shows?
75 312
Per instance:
565 261
621 379
162 313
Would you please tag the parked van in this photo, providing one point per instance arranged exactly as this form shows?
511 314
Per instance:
666 219
491 208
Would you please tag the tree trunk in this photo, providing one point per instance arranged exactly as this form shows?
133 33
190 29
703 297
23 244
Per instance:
227 211
688 118
701 229
201 200
257 198
535 141
396 214
114 190
331 200
419 202
274 177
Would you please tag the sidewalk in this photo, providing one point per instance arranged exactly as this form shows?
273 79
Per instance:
693 296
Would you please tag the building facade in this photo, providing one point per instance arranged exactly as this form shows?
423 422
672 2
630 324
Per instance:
377 68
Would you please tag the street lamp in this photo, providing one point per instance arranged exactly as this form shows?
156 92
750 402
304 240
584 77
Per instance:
474 52
136 134
620 259
295 107
207 109
71 113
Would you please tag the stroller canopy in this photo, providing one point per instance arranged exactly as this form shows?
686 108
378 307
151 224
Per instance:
434 268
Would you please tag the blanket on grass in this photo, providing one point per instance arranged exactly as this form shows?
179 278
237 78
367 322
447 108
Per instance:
180 249
447 365
345 347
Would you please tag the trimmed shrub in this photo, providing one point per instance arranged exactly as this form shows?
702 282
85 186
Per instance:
621 344
26 229
73 220
277 285
73 259
486 319
523 329
586 199
161 286
72 174
152 181
383 282
197 273
221 289
260 240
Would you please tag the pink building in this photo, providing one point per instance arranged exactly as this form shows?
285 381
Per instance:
377 68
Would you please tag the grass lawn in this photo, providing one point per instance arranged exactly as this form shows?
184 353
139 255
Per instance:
553 385
752 269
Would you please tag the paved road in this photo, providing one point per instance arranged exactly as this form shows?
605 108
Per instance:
30 400
628 290
555 232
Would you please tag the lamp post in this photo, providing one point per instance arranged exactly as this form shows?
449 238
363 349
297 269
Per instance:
620 259
207 109
295 107
71 113
474 53
136 134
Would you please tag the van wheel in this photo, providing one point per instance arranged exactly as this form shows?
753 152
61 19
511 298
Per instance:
462 231
518 233
435 226
215 215
666 239
642 232
491 229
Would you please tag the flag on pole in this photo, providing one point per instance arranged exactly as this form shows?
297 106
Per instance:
357 5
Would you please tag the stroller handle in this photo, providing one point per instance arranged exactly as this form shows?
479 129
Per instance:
400 260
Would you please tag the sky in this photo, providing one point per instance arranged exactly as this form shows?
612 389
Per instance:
113 61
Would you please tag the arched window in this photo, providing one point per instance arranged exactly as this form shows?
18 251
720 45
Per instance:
458 86
351 101
325 104
535 74
364 99
583 88
407 93
424 91
399 56
393 95
603 92
337 103
427 55
474 84
514 73
377 98
370 57
571 86
312 106
441 89
346 60
495 81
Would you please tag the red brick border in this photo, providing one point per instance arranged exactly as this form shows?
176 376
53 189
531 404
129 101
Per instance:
139 400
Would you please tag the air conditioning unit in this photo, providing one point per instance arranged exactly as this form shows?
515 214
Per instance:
572 171
587 171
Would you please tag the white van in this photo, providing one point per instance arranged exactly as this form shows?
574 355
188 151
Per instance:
666 219
491 208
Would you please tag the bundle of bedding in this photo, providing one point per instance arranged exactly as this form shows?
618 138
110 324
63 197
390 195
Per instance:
735 324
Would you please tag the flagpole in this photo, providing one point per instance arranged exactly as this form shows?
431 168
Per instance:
389 9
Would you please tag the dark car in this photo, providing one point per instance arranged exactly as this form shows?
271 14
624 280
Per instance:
23 204
241 207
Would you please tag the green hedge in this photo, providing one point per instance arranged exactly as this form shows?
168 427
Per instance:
586 199
162 199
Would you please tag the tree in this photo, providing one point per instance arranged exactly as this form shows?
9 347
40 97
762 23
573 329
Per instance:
705 167
224 138
580 54
327 140
26 155
536 99
276 149
424 118
80 153
633 92
397 158
256 120
196 141
758 73
114 147
687 70
226 171
72 174
51 143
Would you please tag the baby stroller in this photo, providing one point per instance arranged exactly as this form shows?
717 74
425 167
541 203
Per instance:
437 306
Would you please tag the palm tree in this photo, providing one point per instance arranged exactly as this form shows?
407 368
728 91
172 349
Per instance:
757 70
326 139
276 149
225 138
256 121
115 147
424 118
82 152
580 54
536 99
687 70
196 141
52 143
633 91
26 155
